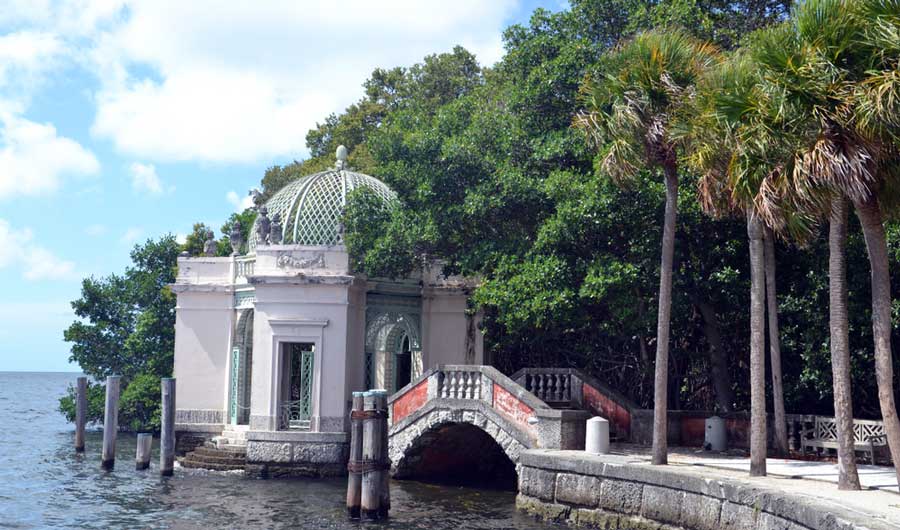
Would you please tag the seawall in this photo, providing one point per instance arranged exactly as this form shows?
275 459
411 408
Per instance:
611 491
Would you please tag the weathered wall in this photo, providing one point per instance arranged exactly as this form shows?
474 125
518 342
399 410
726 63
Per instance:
296 454
446 331
302 309
609 492
688 428
203 324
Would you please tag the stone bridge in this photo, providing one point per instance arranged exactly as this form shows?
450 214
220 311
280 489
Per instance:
472 420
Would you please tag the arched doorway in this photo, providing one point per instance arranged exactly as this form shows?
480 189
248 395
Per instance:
393 351
241 369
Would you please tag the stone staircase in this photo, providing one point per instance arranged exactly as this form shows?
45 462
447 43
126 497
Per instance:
227 452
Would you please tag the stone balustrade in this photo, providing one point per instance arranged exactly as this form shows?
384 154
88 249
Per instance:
244 267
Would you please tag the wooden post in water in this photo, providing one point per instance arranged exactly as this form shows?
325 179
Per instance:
354 466
385 461
167 429
80 412
110 422
370 499
142 453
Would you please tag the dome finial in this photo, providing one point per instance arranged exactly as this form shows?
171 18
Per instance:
341 155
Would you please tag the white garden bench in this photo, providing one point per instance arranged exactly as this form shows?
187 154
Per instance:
822 436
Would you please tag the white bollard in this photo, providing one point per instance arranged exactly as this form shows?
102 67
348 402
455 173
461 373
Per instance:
597 439
716 438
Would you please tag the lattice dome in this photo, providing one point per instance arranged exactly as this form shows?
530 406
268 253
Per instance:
310 207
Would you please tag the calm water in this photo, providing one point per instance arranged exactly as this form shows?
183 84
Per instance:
44 484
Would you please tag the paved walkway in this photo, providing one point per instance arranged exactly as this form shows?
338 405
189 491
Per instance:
871 477
812 479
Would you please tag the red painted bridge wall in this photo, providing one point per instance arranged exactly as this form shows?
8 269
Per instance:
410 401
601 405
511 407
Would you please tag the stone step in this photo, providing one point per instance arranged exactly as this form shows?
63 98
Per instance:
208 459
231 451
222 441
233 434
212 467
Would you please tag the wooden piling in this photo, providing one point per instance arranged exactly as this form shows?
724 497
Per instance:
370 498
142 453
80 412
110 422
385 461
167 429
354 466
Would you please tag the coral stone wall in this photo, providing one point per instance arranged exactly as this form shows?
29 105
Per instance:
410 402
613 492
512 407
599 404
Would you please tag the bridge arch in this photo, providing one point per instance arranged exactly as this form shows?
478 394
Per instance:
458 445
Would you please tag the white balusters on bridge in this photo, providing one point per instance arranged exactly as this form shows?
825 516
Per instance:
550 387
460 384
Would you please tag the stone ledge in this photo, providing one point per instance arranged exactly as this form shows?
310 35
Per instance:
682 496
298 436
199 427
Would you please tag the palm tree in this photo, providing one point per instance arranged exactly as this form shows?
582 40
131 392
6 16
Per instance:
728 146
632 107
836 63
781 439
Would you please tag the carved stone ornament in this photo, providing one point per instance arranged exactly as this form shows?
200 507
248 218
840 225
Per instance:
237 238
209 247
287 261
275 230
263 225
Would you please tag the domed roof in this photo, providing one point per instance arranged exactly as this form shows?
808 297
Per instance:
310 207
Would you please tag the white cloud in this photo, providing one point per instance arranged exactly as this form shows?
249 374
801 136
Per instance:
34 159
240 203
228 81
131 235
145 179
26 55
18 249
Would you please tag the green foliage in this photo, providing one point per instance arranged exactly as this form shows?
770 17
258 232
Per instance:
126 327
493 181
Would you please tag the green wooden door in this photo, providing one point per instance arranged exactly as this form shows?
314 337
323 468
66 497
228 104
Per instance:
235 385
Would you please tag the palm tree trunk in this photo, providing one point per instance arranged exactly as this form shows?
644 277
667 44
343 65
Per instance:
660 386
757 347
848 477
869 214
718 358
781 438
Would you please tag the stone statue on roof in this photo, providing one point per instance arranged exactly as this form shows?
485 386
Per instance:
237 238
209 246
275 230
263 225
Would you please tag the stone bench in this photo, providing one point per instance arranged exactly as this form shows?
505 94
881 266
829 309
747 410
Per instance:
822 436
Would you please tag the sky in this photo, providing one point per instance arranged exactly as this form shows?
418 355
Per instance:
122 121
